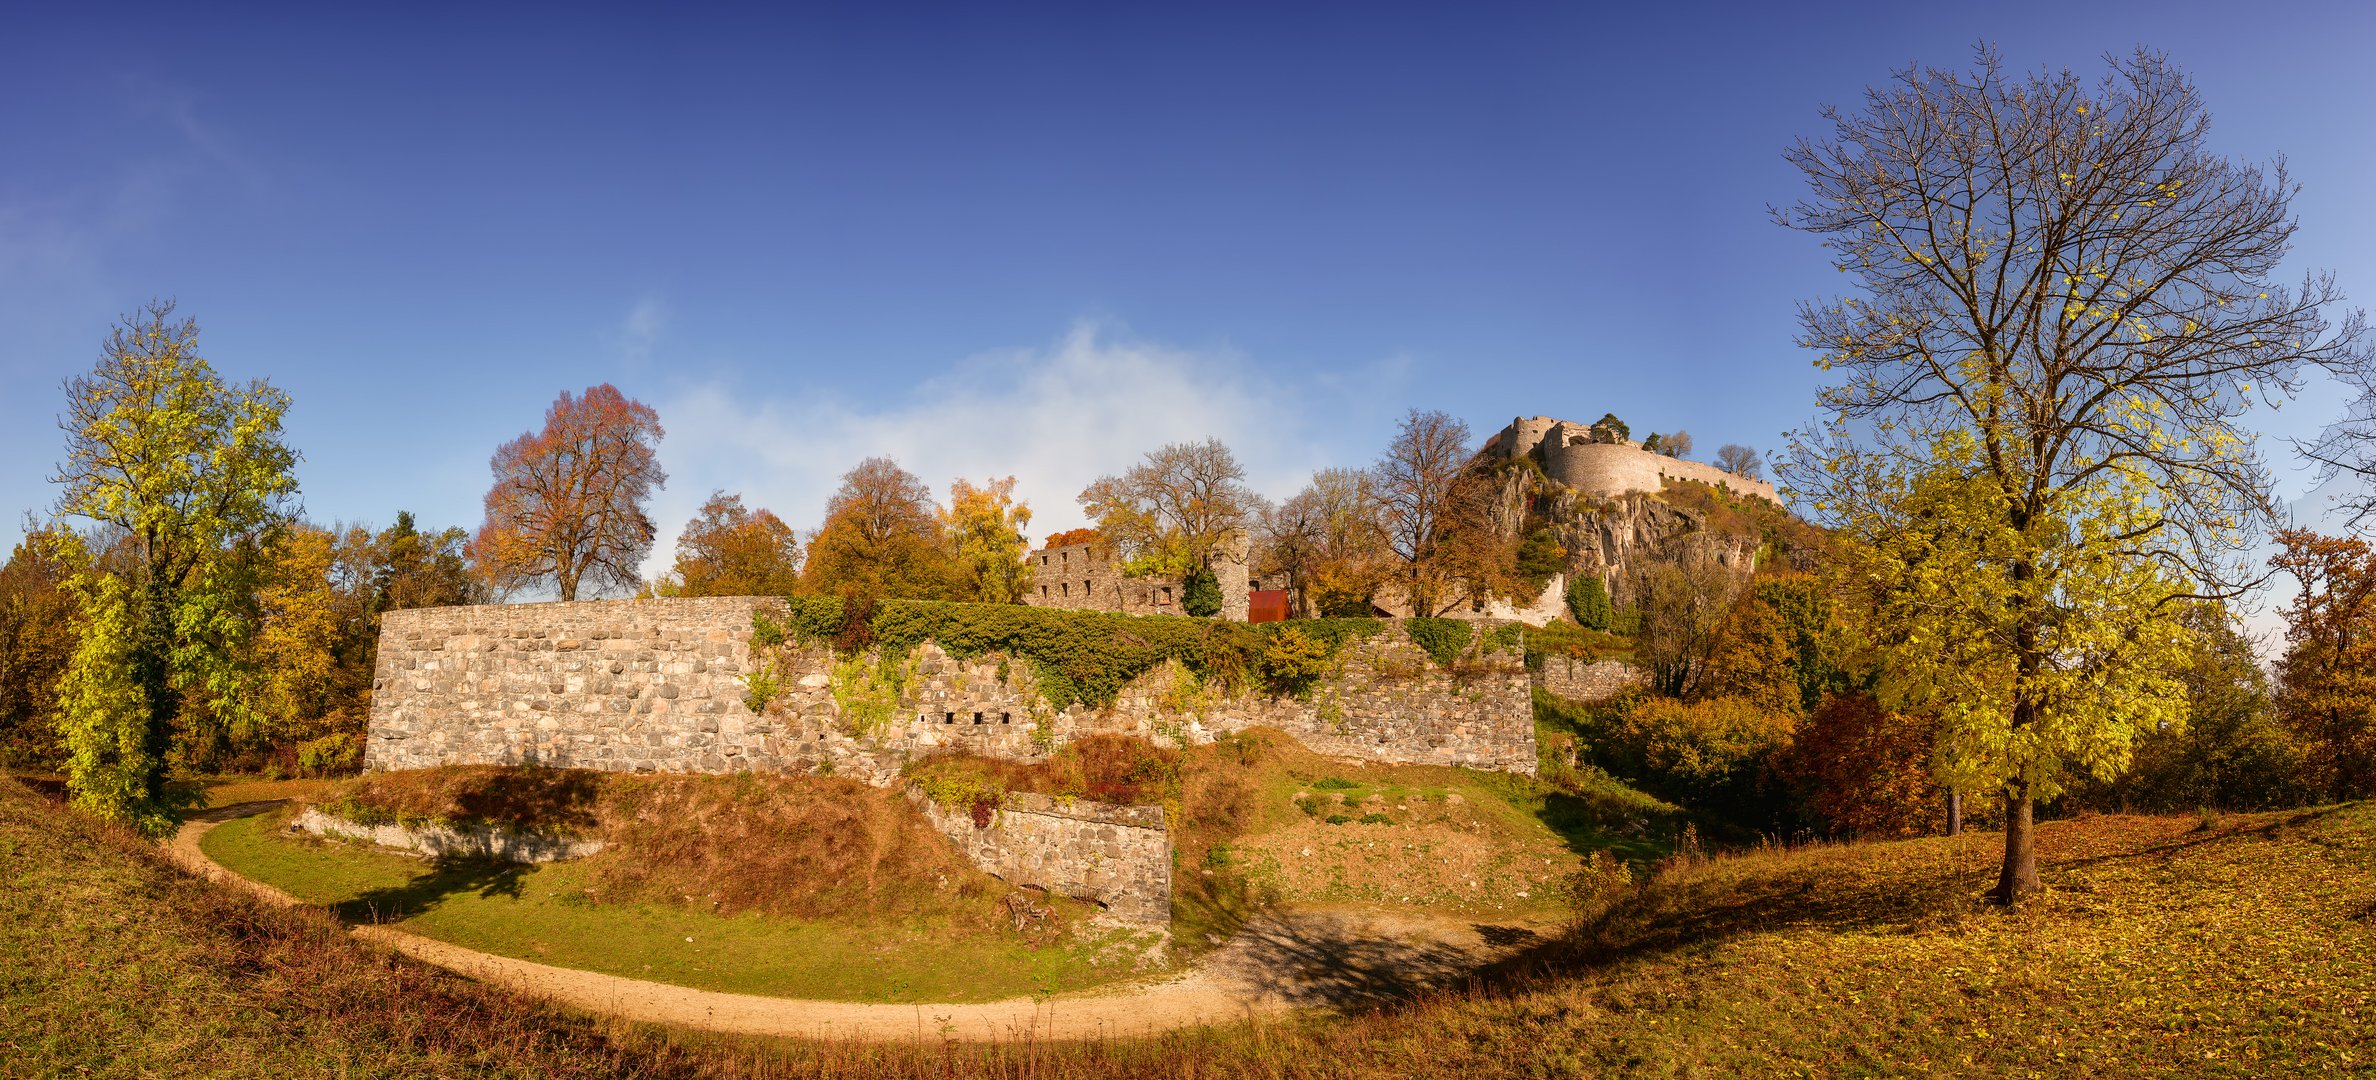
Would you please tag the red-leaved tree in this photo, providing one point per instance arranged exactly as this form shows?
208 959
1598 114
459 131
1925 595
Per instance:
568 502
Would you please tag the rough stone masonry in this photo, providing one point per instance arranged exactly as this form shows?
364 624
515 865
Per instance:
659 685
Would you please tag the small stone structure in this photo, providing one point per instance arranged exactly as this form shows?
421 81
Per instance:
1084 578
1568 453
658 685
1118 857
443 841
1589 682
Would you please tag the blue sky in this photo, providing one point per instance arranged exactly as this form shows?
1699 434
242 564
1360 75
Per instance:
1031 240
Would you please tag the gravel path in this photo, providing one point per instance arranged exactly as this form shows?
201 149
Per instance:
1330 958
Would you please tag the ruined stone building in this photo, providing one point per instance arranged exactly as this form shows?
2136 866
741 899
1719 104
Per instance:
1082 577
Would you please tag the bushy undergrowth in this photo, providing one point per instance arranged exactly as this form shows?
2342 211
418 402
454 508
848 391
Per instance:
1078 657
798 846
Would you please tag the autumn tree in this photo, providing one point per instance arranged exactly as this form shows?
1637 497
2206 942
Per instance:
1740 461
192 471
567 507
881 538
1328 542
2035 449
37 638
1683 601
983 528
1175 511
727 550
415 569
2233 752
1864 769
311 621
2328 672
1675 444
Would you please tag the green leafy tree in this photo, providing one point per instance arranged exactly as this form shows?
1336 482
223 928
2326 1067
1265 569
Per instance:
1588 600
1200 593
2035 446
194 472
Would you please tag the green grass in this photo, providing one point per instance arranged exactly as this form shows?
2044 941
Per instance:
543 913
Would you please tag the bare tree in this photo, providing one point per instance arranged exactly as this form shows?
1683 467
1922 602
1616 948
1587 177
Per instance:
2068 306
1175 509
1328 542
1420 491
568 502
1740 461
1677 445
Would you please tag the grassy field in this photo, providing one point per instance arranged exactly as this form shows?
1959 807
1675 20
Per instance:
2164 947
543 913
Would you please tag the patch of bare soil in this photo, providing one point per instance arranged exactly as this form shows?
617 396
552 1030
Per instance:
1412 851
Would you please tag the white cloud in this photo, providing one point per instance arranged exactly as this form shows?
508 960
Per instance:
1055 418
641 330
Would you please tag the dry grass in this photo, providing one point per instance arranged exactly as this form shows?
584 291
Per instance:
795 846
2163 949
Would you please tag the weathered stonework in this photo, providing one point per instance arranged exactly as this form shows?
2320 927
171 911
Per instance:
1082 578
657 685
442 841
1116 856
1589 682
1568 454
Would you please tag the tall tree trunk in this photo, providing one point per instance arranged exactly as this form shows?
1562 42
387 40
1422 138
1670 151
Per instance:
2019 878
1955 813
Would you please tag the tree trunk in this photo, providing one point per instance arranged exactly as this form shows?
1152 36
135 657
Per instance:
2020 876
1955 813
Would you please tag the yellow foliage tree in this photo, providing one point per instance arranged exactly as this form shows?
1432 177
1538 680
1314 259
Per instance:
985 526
2035 445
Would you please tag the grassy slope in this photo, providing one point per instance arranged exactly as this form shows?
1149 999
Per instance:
2248 949
542 914
113 963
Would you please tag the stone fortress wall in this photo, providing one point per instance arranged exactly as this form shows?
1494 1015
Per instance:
660 685
1568 454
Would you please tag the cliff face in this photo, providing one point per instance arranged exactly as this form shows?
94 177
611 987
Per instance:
1607 538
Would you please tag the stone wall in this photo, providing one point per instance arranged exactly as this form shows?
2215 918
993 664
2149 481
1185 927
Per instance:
1080 577
1609 469
1116 856
657 685
1589 682
441 841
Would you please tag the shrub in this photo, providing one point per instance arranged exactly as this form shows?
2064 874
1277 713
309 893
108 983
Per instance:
1200 594
1443 639
1292 662
1697 747
1588 601
329 754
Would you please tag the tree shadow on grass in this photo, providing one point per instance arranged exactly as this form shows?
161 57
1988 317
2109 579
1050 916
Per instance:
444 878
1588 825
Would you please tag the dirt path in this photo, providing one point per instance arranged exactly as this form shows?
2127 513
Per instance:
1334 958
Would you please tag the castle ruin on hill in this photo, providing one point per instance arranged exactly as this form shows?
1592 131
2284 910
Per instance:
1603 466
